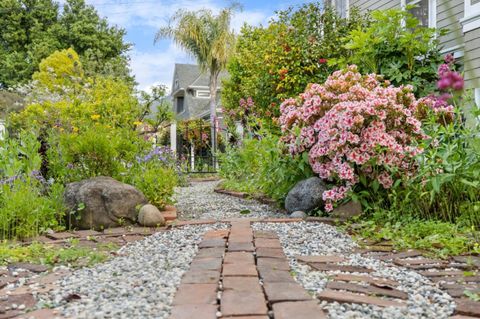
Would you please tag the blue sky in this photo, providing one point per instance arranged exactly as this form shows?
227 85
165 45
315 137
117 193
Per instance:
153 64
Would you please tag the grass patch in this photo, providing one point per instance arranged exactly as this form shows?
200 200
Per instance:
74 255
437 238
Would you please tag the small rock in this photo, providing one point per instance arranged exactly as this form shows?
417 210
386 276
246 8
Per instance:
29 266
348 210
298 214
150 216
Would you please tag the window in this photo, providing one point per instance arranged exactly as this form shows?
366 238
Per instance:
176 84
202 94
471 21
180 104
424 10
341 6
420 11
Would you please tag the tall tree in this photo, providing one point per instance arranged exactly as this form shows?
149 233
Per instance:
210 40
34 29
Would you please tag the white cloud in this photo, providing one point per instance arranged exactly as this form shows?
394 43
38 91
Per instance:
153 68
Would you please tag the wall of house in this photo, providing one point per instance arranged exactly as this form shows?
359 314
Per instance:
365 5
449 13
472 58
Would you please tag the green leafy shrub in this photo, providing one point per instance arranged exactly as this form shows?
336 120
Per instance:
28 204
278 61
397 47
155 175
157 184
447 184
79 127
260 164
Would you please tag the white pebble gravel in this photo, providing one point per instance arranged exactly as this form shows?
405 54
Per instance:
199 201
139 283
303 238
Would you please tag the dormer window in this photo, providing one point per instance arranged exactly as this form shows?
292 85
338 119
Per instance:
204 94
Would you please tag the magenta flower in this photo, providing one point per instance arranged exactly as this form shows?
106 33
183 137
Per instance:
449 58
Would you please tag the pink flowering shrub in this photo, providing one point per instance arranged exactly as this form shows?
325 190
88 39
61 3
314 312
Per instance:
355 128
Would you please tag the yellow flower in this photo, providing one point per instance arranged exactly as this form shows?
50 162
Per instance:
137 123
75 129
95 117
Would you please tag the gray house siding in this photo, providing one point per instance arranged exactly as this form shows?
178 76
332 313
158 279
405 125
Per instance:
472 58
366 5
449 13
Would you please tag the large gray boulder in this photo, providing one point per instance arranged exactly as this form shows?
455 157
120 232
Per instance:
102 202
306 195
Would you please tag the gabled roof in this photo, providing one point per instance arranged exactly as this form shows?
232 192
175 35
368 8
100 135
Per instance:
185 74
189 75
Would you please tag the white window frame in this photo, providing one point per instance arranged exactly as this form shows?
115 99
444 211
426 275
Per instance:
432 10
197 95
346 14
476 93
471 21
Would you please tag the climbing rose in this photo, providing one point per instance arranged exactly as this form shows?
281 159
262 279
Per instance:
354 128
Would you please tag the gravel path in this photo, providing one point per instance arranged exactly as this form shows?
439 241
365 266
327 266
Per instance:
199 201
142 280
140 283
425 300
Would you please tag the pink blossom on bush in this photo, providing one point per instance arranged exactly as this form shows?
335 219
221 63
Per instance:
354 127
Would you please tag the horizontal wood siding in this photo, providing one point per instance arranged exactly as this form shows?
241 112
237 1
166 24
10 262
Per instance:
369 5
449 12
472 58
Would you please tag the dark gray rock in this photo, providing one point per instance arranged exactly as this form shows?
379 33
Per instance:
347 210
102 202
306 195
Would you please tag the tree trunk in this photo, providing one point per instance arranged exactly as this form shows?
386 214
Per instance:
213 114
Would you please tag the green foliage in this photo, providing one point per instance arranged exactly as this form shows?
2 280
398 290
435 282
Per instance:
439 238
278 61
156 183
32 30
28 205
78 127
261 166
37 253
396 46
94 151
447 184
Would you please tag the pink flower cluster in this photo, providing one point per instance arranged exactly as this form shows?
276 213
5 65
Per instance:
448 78
246 104
354 127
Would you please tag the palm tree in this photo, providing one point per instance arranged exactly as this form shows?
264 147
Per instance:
210 40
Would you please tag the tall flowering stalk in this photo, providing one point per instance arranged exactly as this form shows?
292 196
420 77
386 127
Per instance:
355 128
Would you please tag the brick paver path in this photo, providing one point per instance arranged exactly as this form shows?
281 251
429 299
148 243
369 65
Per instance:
242 274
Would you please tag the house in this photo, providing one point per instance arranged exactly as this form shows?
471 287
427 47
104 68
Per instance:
460 17
191 98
